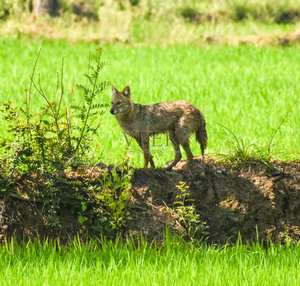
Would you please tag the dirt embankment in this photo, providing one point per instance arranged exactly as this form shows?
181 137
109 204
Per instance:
253 199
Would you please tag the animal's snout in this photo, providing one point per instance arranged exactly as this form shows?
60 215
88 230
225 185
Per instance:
112 111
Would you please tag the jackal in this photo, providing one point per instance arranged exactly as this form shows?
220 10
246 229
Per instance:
178 118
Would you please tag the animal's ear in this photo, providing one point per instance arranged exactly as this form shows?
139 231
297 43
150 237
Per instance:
114 90
126 91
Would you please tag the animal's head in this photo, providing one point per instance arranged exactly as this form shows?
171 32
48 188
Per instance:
121 102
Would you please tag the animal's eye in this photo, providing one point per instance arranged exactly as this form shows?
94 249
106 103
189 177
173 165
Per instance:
118 103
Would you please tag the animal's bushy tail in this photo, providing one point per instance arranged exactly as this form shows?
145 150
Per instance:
201 134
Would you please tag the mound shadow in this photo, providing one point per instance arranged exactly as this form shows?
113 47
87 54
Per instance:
254 200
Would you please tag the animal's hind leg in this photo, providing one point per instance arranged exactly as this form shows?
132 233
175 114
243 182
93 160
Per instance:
187 149
176 147
183 136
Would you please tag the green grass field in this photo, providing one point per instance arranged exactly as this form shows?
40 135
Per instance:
125 264
248 90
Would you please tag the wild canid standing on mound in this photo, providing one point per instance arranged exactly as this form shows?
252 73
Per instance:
179 118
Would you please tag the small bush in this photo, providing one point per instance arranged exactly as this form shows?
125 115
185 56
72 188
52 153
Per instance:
195 228
12 7
134 2
241 13
286 16
281 12
191 15
56 137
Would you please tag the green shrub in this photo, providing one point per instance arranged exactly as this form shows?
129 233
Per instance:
57 136
13 7
195 228
190 14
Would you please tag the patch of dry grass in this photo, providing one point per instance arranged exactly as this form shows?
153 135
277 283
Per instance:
166 22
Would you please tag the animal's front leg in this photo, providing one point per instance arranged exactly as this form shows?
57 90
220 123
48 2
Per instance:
144 143
151 160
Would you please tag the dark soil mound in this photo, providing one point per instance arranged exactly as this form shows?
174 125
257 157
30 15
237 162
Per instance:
254 200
